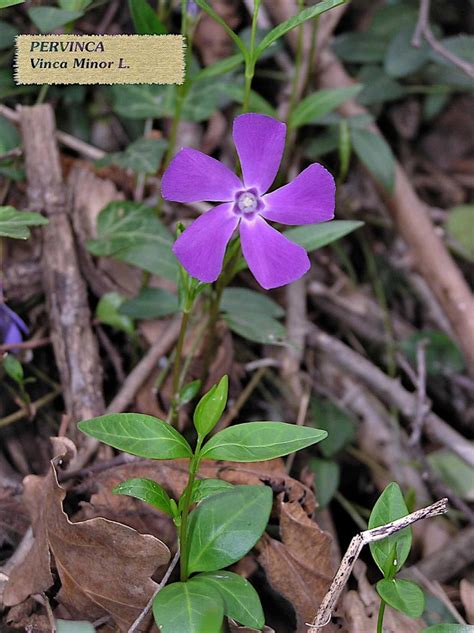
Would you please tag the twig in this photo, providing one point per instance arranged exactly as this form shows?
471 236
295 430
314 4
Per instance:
143 369
149 605
86 150
391 391
16 152
300 420
34 406
242 399
32 344
422 406
325 610
423 30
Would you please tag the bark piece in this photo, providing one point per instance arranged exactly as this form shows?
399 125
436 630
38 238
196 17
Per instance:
75 346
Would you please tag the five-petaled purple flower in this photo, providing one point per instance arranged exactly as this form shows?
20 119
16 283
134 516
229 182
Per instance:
11 326
273 259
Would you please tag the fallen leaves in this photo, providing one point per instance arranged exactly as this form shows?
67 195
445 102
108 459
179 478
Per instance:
300 567
104 567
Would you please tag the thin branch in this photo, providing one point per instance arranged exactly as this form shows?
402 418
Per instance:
149 605
423 30
325 610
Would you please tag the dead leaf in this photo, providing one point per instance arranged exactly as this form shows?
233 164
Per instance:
104 567
466 590
235 628
300 566
361 609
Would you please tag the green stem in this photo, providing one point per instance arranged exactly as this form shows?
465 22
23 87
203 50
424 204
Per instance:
381 614
42 94
187 495
250 61
173 413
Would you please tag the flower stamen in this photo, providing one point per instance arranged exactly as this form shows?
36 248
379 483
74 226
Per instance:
247 202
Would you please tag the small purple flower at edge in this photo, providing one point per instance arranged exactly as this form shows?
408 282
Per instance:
195 177
11 326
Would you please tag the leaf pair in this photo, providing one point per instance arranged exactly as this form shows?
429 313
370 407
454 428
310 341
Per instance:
146 436
200 604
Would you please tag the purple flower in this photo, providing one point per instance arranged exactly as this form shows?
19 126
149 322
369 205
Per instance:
273 259
192 9
11 326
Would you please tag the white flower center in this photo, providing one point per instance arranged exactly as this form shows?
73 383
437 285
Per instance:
247 202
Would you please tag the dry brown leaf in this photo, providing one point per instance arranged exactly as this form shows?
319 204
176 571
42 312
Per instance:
466 590
104 567
300 567
361 609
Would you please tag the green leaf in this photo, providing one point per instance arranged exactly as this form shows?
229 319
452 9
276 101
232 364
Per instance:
9 137
402 595
8 32
211 406
454 472
339 425
402 58
186 607
145 20
390 19
241 601
15 223
151 303
50 18
215 16
131 232
107 312
189 391
259 441
13 367
244 300
378 86
204 488
9 3
74 5
223 528
442 355
148 491
293 22
314 236
142 101
449 628
143 156
222 67
389 507
256 327
68 626
321 103
138 434
375 153
327 474
460 226
360 47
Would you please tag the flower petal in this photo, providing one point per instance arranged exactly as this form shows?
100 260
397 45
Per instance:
272 258
12 334
194 177
308 199
201 248
260 141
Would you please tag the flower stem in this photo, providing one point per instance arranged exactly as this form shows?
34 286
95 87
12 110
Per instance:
381 615
187 496
173 413
250 61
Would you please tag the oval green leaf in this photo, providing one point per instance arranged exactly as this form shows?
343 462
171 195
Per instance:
391 553
148 491
259 441
402 595
138 434
314 236
185 607
210 407
223 528
204 488
241 601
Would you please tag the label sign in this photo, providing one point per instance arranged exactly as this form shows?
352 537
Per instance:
99 59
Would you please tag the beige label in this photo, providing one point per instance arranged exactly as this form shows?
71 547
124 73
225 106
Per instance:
99 59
